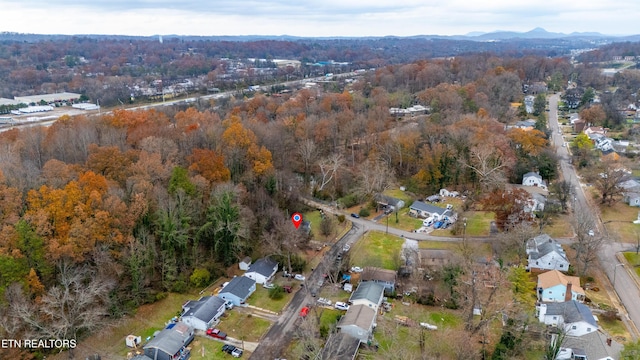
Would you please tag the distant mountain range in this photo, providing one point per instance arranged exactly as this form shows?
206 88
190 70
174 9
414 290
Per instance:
537 33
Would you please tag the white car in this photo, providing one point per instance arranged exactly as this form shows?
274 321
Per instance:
591 233
341 305
346 247
356 269
299 277
324 301
268 285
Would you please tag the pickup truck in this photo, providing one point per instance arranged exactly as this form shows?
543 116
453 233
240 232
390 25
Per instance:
216 333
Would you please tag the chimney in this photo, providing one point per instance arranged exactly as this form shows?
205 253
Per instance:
567 294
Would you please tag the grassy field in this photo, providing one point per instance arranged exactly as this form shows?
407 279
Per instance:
399 194
377 249
405 222
315 218
261 299
619 219
239 323
478 222
560 227
634 261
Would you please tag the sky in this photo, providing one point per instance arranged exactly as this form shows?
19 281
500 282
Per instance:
316 18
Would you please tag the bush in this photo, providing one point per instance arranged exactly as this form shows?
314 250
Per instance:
341 218
276 293
200 277
349 201
364 212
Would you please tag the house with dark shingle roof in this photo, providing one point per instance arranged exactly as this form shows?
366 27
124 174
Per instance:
389 202
544 253
574 317
262 270
593 346
238 290
203 313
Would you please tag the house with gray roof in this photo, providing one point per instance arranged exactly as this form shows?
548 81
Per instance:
544 253
592 346
359 322
340 346
423 210
170 343
574 317
389 202
238 290
533 179
203 313
262 270
369 294
631 192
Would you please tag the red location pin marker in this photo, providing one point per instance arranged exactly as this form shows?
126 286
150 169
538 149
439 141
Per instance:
296 219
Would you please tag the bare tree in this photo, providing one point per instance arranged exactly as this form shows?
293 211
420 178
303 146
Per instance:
488 164
564 192
308 152
328 168
374 176
588 243
607 177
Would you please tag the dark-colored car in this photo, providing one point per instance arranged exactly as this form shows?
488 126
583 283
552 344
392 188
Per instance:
354 215
287 288
228 348
216 333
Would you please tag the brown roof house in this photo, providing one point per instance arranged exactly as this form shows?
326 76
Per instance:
384 277
554 286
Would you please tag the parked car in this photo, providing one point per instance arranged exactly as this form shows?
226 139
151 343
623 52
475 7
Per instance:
592 233
346 247
304 311
341 305
299 277
216 333
228 348
287 289
236 353
354 215
437 225
268 285
228 305
388 211
356 269
287 274
324 301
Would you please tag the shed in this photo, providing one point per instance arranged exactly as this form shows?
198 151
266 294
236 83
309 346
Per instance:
245 263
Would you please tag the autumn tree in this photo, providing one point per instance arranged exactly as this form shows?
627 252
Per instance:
510 207
210 165
593 115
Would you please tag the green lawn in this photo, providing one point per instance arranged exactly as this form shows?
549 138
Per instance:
634 261
405 222
399 194
377 249
478 222
619 222
315 219
260 298
238 324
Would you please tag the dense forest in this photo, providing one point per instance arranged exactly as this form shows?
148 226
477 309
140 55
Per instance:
102 214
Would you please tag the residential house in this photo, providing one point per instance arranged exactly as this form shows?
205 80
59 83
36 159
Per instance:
631 193
262 270
573 117
554 286
573 317
599 130
603 144
533 179
427 211
340 346
203 313
528 124
579 125
238 290
384 277
359 322
170 343
528 103
369 294
592 346
245 263
544 253
389 202
535 203
445 193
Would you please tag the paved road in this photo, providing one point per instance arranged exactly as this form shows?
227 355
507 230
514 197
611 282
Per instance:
625 285
275 342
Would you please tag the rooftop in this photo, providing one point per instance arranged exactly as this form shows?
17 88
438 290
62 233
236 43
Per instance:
375 273
572 312
204 309
361 316
263 266
422 206
554 277
239 286
368 290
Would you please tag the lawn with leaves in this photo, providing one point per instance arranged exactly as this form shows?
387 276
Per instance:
244 326
260 298
377 249
478 222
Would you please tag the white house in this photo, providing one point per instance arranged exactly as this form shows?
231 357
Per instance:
262 270
544 253
245 263
238 290
427 211
203 313
554 286
359 322
631 192
533 179
575 318
369 294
